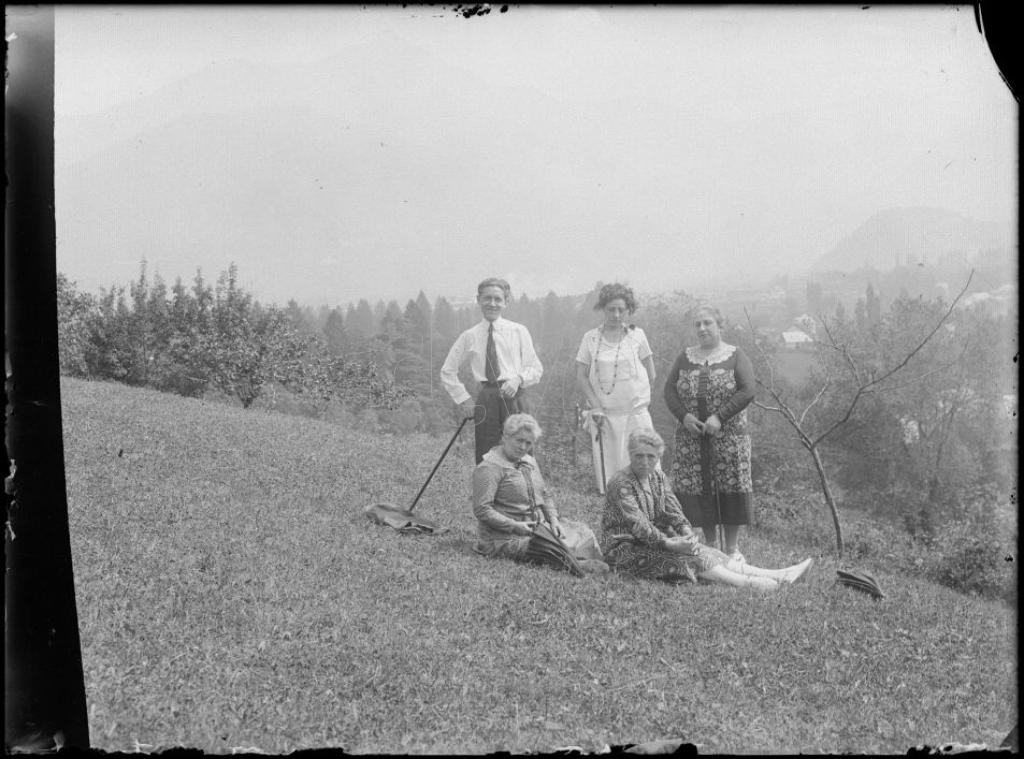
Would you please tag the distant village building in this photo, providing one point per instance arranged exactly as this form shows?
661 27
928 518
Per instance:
796 339
459 302
911 430
998 301
806 323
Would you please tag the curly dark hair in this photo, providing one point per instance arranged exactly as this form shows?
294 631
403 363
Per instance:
615 291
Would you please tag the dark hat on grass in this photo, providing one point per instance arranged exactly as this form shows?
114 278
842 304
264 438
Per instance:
861 581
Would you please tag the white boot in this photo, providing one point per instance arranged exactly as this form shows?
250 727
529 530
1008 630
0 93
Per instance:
798 572
741 566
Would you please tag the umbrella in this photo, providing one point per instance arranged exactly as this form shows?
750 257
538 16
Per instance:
545 548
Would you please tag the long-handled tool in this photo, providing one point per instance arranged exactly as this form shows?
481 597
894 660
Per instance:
719 527
403 519
599 423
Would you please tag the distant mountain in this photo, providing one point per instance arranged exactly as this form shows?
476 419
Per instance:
913 235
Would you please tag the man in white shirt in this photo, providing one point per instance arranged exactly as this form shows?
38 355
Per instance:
502 359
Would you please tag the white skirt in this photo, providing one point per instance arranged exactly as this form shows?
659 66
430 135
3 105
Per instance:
614 442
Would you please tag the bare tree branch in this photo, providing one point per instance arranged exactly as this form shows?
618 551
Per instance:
917 379
912 381
787 413
863 389
844 351
928 337
817 397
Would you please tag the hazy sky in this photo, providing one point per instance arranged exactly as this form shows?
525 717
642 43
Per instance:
339 153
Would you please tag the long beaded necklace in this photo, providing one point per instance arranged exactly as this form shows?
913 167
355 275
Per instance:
615 372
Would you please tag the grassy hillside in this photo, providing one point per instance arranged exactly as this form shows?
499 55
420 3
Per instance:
232 595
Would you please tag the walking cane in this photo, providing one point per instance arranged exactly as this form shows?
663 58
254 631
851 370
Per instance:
403 519
443 454
600 448
719 527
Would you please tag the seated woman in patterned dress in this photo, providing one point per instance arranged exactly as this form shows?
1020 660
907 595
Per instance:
644 532
510 498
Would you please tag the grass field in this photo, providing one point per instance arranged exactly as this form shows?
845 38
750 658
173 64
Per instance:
232 595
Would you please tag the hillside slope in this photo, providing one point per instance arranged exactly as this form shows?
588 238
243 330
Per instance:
118 435
232 597
913 235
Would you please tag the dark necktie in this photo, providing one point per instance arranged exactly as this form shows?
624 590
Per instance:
491 357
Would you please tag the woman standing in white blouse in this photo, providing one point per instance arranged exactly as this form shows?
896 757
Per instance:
615 371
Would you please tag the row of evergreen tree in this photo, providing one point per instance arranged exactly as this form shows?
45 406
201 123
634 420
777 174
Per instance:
934 438
191 340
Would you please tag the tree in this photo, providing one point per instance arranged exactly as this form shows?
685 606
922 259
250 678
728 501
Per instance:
930 448
419 315
396 348
176 366
106 351
840 312
445 327
298 317
334 332
416 328
873 305
307 368
319 319
862 378
159 330
246 343
127 338
73 310
192 338
364 324
379 310
140 341
860 314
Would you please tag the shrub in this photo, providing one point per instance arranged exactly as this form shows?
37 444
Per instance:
798 514
972 562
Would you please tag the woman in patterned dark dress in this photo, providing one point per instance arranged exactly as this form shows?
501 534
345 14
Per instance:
644 531
708 390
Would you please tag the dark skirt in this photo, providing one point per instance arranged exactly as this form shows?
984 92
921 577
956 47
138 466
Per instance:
490 413
705 512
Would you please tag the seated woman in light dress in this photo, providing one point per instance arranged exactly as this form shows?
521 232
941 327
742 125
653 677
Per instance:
644 532
510 498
